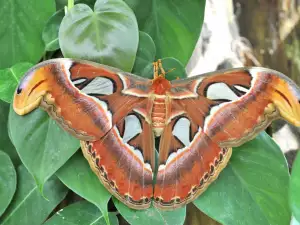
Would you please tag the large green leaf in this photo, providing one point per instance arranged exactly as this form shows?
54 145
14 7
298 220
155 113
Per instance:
107 35
9 79
174 25
295 188
29 207
5 143
81 213
50 32
145 54
78 176
252 189
21 27
8 181
151 215
42 146
141 9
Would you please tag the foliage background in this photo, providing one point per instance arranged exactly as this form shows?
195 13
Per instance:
45 181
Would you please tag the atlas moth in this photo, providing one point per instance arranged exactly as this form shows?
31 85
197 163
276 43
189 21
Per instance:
117 115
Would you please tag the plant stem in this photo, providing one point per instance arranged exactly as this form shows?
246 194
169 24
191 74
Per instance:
70 4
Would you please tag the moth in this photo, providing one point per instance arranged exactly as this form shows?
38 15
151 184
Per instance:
117 116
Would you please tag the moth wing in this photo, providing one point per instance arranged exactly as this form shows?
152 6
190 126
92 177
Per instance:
96 104
211 114
87 99
124 160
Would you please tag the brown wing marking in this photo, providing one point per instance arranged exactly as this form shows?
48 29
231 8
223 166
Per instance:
236 106
123 162
271 96
190 171
85 98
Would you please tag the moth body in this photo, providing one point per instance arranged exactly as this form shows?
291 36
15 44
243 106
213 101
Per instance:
158 115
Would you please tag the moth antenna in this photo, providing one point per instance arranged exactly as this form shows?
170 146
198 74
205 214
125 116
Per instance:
155 69
163 73
171 70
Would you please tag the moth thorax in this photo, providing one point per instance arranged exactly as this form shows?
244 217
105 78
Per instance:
158 115
161 85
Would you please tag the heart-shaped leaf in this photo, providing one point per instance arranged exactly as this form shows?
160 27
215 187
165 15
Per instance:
8 181
252 189
50 32
29 207
174 25
145 53
9 79
172 67
107 35
151 215
78 176
295 189
21 29
42 146
5 143
79 213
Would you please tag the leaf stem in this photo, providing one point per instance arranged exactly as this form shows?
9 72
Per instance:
70 4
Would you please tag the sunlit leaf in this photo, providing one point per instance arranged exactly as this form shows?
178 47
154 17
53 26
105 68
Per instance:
108 34
42 146
252 189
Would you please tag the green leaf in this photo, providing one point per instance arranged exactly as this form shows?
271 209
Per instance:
50 32
42 146
62 3
294 221
79 177
141 9
29 207
9 79
21 28
175 68
80 213
174 25
145 53
295 188
107 35
8 181
252 189
5 143
151 215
